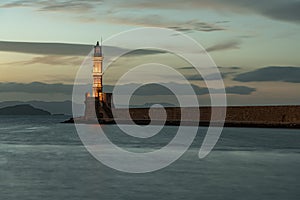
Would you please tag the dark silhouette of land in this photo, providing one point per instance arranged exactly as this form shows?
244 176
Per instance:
54 107
25 109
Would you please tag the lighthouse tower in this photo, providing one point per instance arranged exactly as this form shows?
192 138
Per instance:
97 73
98 105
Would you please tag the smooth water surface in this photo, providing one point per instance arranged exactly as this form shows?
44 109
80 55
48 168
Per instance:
43 159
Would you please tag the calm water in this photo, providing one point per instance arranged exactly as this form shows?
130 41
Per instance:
42 159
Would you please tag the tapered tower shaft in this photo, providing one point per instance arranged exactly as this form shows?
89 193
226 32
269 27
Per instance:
97 72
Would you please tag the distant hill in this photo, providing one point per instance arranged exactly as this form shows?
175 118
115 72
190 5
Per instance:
23 110
65 107
57 107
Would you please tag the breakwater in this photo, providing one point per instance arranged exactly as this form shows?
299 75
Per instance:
236 116
248 116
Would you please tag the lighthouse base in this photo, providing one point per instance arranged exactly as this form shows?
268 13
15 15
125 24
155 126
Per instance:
96 110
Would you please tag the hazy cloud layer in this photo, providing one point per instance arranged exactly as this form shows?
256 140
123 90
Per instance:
233 44
151 89
210 77
275 9
156 89
36 87
241 90
85 11
159 21
46 48
50 49
49 60
272 73
55 5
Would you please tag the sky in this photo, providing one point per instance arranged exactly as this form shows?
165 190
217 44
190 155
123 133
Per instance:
255 44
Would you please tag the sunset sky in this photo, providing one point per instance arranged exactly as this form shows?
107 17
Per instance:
255 43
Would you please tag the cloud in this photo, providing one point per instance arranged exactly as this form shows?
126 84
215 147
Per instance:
234 44
15 4
141 52
210 77
223 71
36 87
272 73
146 90
63 49
285 12
68 6
85 13
76 6
196 25
156 89
237 90
277 9
75 60
46 48
241 90
230 68
159 21
50 60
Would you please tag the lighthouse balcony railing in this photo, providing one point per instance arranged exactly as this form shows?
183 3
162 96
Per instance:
97 73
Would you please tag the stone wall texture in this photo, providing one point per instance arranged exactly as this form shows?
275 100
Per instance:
251 114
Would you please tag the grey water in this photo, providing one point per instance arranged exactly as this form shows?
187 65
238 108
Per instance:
41 158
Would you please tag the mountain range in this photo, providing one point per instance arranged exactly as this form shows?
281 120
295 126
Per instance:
59 107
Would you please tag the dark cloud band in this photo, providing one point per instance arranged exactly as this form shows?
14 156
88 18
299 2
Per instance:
148 90
276 9
67 49
46 48
272 73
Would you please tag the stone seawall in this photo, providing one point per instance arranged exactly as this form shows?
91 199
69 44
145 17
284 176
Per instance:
264 114
234 114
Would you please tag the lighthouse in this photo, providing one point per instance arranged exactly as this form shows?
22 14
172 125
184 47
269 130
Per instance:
98 105
97 73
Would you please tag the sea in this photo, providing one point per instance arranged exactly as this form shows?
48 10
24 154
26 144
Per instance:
41 159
